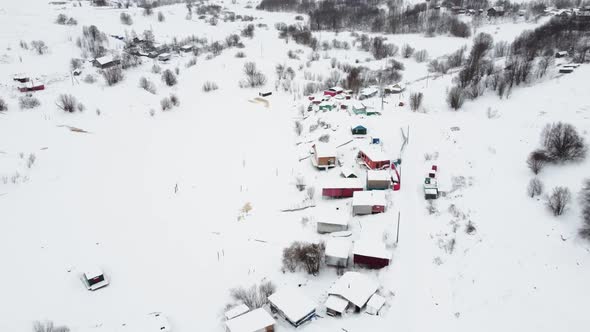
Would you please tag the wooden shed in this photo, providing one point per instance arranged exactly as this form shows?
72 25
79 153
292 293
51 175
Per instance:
324 155
378 179
337 252
368 202
371 254
336 225
374 158
254 321
359 130
342 188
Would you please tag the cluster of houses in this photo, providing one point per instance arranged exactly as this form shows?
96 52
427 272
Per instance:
581 14
336 98
28 84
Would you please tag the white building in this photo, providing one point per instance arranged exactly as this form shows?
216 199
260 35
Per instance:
368 202
337 251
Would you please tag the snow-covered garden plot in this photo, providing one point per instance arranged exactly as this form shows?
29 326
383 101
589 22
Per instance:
179 206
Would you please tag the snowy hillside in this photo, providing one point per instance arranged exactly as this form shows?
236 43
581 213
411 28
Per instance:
179 206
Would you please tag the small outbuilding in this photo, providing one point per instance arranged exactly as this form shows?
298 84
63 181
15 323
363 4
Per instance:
368 202
186 48
105 62
342 188
326 106
394 88
376 302
359 130
94 279
324 155
336 305
254 321
358 108
292 305
378 179
265 93
354 287
337 251
165 57
236 311
336 225
566 70
374 158
371 254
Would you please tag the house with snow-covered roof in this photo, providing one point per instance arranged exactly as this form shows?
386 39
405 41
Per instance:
292 305
354 288
254 321
337 252
368 202
371 254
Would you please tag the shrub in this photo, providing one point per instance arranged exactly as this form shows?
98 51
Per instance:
563 143
126 19
61 19
584 198
416 100
48 326
254 78
536 160
113 75
147 85
39 47
455 98
407 51
161 17
3 105
240 54
191 62
156 69
67 103
248 31
174 100
28 102
72 21
254 297
89 79
210 86
421 56
147 9
535 187
169 78
130 60
75 64
304 255
559 200
166 104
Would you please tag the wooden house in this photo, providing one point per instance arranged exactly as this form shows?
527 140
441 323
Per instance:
254 321
347 172
186 48
292 305
496 11
359 130
31 86
342 188
378 179
337 252
368 202
336 225
371 254
374 158
353 287
324 155
105 62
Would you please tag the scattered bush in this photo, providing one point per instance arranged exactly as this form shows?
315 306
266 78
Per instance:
161 17
92 42
248 31
537 160
254 78
421 56
113 75
169 78
75 64
240 54
174 100
166 104
156 69
559 200
61 19
3 105
455 98
48 326
39 47
563 143
254 297
147 85
304 255
407 51
210 86
67 103
298 128
584 198
126 19
28 102
416 100
191 62
89 79
535 187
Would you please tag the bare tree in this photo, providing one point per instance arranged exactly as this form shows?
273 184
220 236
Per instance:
536 160
3 105
210 86
416 100
67 103
559 200
254 78
563 143
308 256
456 97
161 17
535 187
407 51
113 75
39 47
28 102
585 205
254 297
48 326
126 19
169 78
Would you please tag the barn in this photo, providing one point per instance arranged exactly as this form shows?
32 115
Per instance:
105 62
374 158
324 155
371 254
337 252
254 321
353 287
292 305
368 202
359 130
342 187
337 225
378 179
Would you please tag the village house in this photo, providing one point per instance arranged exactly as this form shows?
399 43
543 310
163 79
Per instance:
378 179
368 93
254 321
368 202
324 155
496 11
359 130
337 252
326 106
352 290
374 158
186 48
333 91
394 88
342 188
336 225
105 62
164 57
371 254
292 305
347 172
358 108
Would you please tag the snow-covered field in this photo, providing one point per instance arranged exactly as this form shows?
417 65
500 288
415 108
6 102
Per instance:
156 200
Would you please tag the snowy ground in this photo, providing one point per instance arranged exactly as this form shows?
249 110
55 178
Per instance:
155 200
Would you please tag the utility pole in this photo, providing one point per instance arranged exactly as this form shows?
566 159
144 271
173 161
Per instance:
397 235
